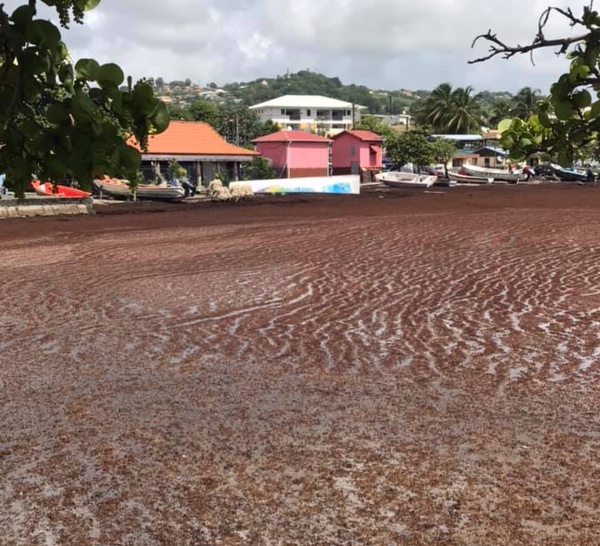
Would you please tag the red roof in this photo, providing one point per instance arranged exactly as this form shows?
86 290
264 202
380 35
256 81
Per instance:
366 136
291 136
192 138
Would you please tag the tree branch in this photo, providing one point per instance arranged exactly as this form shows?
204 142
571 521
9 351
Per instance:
499 49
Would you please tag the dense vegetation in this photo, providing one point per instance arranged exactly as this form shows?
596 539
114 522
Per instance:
60 119
567 124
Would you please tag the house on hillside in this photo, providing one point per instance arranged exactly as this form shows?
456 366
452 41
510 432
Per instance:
295 154
198 148
310 113
353 152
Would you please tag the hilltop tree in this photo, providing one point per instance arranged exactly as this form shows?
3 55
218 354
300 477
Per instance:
204 110
57 119
574 97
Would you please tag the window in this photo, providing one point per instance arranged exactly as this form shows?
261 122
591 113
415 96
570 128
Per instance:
353 151
282 112
308 113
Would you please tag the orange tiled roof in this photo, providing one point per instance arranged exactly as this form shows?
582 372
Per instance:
192 138
291 136
367 136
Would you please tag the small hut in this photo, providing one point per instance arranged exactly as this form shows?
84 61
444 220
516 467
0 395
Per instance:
295 154
354 152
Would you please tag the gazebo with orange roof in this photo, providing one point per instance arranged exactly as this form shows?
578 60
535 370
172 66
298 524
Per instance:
198 148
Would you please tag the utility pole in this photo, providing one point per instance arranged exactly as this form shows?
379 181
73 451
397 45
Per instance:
237 130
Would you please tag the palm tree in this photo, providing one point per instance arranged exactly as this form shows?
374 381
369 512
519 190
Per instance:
501 109
436 107
526 102
466 112
450 111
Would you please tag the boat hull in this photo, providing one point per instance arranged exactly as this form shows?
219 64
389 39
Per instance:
466 179
396 179
47 189
119 189
496 174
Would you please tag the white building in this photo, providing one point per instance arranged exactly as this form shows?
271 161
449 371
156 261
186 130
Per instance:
310 113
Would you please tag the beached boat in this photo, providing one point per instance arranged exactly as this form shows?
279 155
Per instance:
496 174
52 190
445 183
467 179
398 179
569 175
119 189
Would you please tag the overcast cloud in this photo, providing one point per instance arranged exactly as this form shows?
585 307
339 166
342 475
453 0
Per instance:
390 44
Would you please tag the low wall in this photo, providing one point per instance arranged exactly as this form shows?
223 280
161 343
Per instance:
44 206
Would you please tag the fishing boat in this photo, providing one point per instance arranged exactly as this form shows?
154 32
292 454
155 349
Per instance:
398 179
467 179
495 174
48 189
569 175
119 189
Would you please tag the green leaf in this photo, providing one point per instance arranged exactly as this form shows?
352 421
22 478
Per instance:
110 75
66 74
504 125
42 33
564 110
22 16
544 119
86 5
160 118
56 114
131 158
582 99
29 128
83 107
35 62
87 69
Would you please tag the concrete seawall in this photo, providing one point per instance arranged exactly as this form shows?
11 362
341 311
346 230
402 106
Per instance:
34 205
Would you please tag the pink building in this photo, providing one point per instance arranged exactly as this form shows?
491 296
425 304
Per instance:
295 154
354 152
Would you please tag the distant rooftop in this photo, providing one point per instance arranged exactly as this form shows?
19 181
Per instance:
291 136
306 101
465 138
366 136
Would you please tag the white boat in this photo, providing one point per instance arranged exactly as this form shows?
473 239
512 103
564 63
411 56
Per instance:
467 179
119 189
398 179
496 174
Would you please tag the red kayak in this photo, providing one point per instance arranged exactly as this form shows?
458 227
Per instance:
50 190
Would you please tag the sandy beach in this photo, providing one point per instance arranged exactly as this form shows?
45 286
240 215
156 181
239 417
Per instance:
398 367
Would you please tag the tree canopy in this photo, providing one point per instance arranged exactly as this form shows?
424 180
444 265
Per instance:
570 121
411 147
62 119
450 111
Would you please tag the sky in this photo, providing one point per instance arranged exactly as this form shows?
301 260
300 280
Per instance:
384 44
